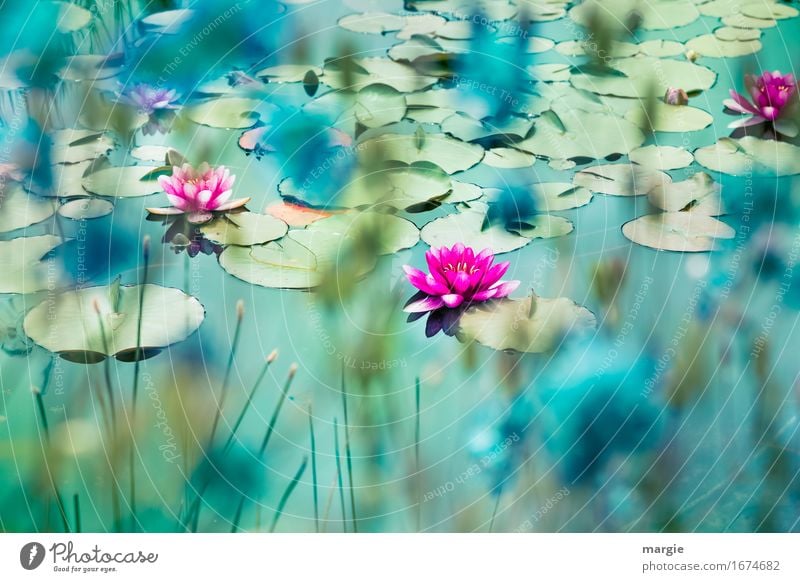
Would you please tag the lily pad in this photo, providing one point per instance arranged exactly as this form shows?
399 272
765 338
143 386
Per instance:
226 113
372 22
71 326
555 196
19 209
71 146
465 227
355 74
451 155
620 179
653 14
677 231
545 226
86 208
244 229
379 105
749 155
661 157
24 267
709 45
700 193
122 182
532 325
508 158
671 118
288 73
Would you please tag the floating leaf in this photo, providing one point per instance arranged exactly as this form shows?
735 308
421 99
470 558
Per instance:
288 73
661 157
700 193
355 74
122 182
532 325
226 113
71 17
554 196
545 226
677 231
451 155
372 22
466 227
671 118
379 105
748 155
70 325
508 158
24 267
86 209
653 15
244 229
19 209
620 179
295 214
70 146
709 45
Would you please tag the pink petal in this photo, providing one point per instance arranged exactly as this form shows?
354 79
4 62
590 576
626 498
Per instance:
503 289
425 304
238 203
178 201
746 122
453 300
494 274
165 211
742 102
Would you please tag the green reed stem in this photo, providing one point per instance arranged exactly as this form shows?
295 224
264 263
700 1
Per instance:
339 472
274 418
349 457
225 379
46 429
313 443
417 432
76 505
287 494
238 516
271 358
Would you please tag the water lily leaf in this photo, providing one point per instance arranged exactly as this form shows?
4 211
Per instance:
653 14
532 325
288 73
70 325
677 231
244 229
355 74
463 192
671 118
85 209
709 45
421 24
643 75
747 155
24 267
551 72
295 214
555 196
379 105
465 227
450 154
729 33
577 48
658 157
167 21
769 10
508 158
372 22
490 10
700 193
19 209
282 264
122 182
545 226
581 134
741 21
71 17
90 68
620 179
466 128
532 44
662 48
226 113
70 146
152 153
400 187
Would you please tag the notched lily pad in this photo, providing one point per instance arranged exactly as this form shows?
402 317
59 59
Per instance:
25 267
19 209
750 155
70 324
467 227
122 182
226 113
244 229
450 154
532 325
677 231
620 179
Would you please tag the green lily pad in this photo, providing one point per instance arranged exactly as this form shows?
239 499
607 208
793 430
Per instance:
700 193
750 155
654 14
532 325
122 182
709 45
85 208
671 118
287 73
355 74
372 22
620 179
451 155
661 157
465 227
678 231
226 112
19 209
508 158
24 267
555 196
545 226
379 105
71 17
71 146
71 326
244 229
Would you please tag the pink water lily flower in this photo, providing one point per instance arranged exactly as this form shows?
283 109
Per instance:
457 277
771 96
198 192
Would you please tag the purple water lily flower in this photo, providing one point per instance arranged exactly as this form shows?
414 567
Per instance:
149 99
772 95
457 277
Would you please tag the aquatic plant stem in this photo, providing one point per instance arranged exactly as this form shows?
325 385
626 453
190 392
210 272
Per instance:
313 445
46 429
76 504
287 494
274 418
271 358
349 457
418 480
226 378
338 455
135 391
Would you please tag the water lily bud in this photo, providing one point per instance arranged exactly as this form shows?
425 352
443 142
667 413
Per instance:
692 55
292 370
146 245
272 356
675 96
240 309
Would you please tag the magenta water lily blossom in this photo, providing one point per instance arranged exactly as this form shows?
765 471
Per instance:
772 95
457 277
149 99
198 192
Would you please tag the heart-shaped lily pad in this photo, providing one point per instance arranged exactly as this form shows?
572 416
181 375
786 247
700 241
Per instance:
71 326
244 229
450 154
533 325
24 267
749 155
677 231
226 112
466 227
661 157
700 193
122 182
620 179
19 209
670 118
